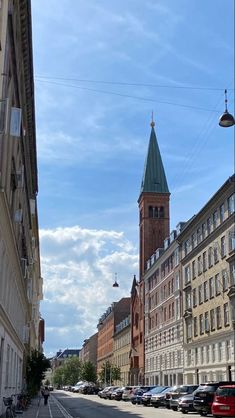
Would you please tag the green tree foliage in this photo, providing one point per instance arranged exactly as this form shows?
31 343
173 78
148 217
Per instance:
72 371
109 373
58 377
69 373
36 366
88 372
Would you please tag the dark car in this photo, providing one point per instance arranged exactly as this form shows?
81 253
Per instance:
204 395
108 393
224 402
185 403
117 394
146 398
178 393
136 397
159 399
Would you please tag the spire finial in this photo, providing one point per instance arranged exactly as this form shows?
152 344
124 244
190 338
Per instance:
152 124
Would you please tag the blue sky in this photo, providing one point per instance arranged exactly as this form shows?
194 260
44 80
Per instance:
101 68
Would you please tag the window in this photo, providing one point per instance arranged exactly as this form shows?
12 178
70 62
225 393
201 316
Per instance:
202 355
208 222
232 273
195 326
207 326
213 353
208 354
224 280
216 255
204 261
201 324
177 281
187 277
189 357
194 297
218 317
226 314
219 351
221 212
186 247
231 240
196 356
210 255
228 350
211 288
199 235
203 231
217 284
231 204
194 240
199 265
215 219
205 286
189 330
212 319
188 300
200 300
194 269
223 246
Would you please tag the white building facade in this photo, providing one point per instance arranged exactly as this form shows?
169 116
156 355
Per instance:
20 276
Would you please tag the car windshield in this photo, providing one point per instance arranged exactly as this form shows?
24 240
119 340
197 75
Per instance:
158 389
225 392
207 388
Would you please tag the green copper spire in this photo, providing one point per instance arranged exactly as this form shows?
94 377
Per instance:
154 178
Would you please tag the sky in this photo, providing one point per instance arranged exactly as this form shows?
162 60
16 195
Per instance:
101 68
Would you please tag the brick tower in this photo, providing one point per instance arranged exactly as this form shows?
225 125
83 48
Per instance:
154 228
153 204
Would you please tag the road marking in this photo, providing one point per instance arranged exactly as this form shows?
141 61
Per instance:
62 409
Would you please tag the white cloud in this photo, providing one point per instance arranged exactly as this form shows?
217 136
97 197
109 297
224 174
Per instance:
79 266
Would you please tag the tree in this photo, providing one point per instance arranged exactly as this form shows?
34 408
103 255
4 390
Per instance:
58 377
72 371
109 373
36 366
88 372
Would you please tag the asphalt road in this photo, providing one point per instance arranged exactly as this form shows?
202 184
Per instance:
91 406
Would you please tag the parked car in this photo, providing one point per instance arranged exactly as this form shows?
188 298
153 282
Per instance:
224 402
136 397
178 393
127 392
146 398
117 394
108 393
168 396
185 403
204 395
102 393
159 399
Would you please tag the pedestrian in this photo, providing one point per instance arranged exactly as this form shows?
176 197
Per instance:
46 395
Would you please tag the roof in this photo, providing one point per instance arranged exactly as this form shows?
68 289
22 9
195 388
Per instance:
69 352
154 178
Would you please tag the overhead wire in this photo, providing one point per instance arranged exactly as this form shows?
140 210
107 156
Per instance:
120 83
147 99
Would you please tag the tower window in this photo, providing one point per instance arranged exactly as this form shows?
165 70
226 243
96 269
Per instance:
161 212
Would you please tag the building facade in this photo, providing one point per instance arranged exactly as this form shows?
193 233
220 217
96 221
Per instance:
208 266
89 350
121 350
163 315
20 278
106 329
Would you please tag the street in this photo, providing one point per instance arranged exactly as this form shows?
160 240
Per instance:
89 406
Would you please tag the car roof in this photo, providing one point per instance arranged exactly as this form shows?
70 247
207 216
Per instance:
227 386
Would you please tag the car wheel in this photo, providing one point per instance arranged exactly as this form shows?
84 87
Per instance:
203 414
174 408
156 406
183 411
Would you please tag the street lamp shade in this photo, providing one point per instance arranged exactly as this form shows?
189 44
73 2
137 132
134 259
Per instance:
115 284
226 119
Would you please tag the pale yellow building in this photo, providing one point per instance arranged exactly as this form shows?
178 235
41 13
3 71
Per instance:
121 350
20 275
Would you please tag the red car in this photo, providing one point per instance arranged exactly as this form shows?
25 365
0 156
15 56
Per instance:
224 402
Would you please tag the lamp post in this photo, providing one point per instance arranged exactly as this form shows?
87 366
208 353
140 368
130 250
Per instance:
226 119
115 284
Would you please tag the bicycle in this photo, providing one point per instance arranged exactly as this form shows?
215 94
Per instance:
10 410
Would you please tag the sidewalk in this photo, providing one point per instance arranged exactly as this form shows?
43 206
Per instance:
37 409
